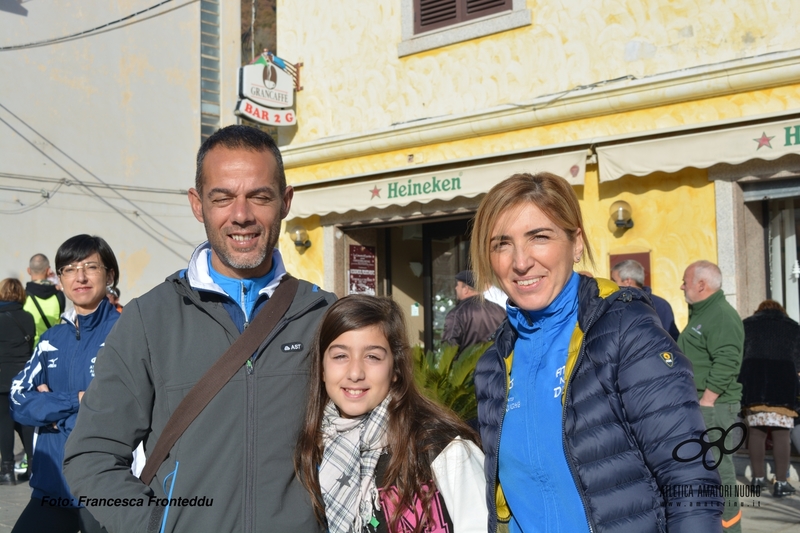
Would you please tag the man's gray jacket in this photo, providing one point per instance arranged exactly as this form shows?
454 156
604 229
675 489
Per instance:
233 469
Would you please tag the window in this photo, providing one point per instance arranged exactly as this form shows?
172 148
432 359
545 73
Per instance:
429 24
209 68
434 14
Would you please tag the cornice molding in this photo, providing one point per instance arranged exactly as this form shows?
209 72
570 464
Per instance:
604 98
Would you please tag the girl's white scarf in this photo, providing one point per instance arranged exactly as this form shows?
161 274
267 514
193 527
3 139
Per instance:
352 447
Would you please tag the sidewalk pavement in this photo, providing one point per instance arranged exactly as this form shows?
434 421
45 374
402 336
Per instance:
13 500
763 514
766 514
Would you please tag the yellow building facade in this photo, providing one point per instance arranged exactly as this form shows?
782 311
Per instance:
684 110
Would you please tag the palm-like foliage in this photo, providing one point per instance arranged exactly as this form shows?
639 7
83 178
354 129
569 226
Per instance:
449 381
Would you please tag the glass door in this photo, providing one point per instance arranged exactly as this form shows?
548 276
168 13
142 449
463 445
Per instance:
784 267
447 252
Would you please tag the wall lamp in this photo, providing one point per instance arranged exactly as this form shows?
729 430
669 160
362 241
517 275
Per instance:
621 216
300 238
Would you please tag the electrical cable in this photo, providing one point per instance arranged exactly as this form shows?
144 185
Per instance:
112 186
46 195
80 182
82 33
99 197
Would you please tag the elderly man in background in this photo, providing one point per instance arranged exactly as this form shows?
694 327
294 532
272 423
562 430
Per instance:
630 273
714 341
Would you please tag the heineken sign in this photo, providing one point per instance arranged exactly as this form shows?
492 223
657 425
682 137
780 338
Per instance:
421 187
399 189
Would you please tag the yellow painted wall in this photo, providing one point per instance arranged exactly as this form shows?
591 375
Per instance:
354 80
645 120
355 83
674 219
308 263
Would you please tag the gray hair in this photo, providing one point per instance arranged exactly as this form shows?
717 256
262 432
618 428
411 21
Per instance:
708 272
39 264
630 269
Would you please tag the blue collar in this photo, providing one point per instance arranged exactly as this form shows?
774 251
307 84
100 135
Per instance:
562 308
244 292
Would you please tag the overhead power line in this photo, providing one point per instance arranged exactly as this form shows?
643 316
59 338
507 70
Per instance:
82 33
156 237
113 186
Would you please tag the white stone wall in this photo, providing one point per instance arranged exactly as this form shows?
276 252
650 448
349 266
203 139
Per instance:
121 107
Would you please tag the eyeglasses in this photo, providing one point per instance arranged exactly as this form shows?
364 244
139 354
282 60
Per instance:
90 269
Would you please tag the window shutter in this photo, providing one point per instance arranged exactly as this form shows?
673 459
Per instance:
481 8
432 14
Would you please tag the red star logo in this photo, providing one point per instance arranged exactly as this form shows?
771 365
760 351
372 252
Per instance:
375 192
764 141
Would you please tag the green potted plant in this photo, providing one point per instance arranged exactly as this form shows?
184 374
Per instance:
448 380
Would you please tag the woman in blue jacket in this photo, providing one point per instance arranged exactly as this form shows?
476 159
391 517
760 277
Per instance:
48 391
583 398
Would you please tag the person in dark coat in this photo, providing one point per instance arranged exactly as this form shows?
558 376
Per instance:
630 273
473 320
769 379
17 330
583 398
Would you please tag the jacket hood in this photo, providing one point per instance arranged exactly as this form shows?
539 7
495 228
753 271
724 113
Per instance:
10 306
42 290
199 278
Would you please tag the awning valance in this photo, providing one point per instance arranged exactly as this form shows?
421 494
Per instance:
468 181
766 141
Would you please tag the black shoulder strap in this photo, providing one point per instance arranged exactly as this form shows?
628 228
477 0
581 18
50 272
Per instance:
62 303
41 313
220 373
27 337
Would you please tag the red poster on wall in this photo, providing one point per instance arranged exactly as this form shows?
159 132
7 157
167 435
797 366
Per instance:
362 270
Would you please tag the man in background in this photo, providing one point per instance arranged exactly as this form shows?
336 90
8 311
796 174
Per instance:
473 320
630 273
714 342
44 301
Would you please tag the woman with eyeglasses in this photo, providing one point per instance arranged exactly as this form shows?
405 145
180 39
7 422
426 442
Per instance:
48 391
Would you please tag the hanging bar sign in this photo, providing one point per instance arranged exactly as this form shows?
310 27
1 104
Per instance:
266 91
265 115
267 85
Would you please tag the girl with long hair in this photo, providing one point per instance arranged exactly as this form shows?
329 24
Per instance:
374 453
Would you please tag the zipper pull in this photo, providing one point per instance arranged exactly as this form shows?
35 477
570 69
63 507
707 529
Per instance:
249 367
77 329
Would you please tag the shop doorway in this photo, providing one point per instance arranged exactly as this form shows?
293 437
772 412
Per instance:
416 265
